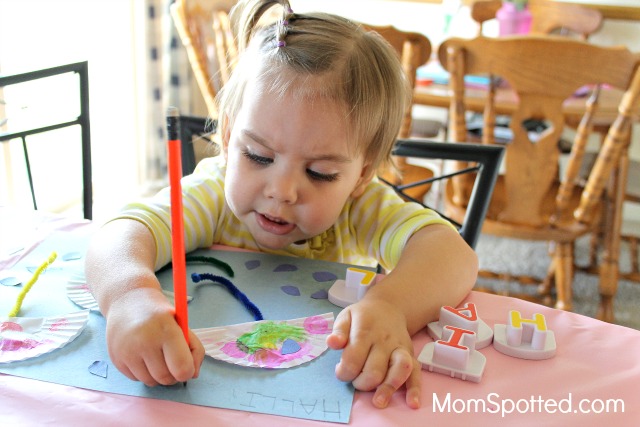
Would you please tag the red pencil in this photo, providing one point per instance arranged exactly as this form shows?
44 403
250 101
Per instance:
174 158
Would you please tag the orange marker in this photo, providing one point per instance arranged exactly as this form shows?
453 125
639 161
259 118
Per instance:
174 158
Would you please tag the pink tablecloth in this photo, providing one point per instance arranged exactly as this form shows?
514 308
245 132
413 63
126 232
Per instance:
23 230
592 381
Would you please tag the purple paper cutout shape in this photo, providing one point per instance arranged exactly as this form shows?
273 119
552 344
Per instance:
252 264
99 368
71 256
10 281
285 267
33 268
324 276
289 346
291 290
321 294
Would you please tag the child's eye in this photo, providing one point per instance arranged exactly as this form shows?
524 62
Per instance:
261 160
323 177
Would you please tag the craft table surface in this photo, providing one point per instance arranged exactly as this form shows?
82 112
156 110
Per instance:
596 365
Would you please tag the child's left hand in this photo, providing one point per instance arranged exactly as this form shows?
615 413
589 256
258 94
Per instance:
377 351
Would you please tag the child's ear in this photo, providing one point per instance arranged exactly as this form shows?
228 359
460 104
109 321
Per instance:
367 175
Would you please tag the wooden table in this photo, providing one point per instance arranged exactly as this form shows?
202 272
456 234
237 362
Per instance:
438 95
622 11
609 10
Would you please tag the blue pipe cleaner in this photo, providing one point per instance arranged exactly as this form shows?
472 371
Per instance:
237 293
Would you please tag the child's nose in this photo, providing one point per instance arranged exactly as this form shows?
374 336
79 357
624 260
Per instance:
282 186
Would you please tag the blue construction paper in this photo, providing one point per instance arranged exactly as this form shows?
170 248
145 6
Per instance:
280 392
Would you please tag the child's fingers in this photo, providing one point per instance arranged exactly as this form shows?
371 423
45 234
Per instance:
125 370
140 372
339 337
197 352
356 349
413 384
401 367
178 361
375 369
161 371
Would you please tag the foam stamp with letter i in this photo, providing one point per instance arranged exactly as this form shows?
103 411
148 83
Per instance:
454 355
465 318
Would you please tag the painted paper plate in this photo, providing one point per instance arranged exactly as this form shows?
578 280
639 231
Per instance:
78 292
274 344
23 338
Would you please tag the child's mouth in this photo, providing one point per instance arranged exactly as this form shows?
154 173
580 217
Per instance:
274 225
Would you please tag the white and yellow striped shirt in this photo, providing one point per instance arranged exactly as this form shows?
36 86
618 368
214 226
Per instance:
371 229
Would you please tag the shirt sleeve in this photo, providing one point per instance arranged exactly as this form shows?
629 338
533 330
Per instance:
203 203
383 222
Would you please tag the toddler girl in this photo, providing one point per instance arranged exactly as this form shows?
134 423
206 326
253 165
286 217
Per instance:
309 115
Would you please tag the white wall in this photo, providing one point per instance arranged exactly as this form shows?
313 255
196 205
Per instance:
42 33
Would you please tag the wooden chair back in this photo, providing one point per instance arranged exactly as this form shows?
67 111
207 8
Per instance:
414 50
205 32
564 18
551 71
483 11
546 17
532 200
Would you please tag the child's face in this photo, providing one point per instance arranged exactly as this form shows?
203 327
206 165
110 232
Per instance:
290 166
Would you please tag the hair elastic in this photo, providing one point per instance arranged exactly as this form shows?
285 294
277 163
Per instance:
282 29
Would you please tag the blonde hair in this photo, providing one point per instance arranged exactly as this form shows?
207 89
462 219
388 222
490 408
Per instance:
320 55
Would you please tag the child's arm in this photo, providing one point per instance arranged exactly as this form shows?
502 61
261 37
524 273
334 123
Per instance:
436 268
145 343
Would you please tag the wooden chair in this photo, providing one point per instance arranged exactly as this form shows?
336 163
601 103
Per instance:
531 200
565 19
414 50
547 17
205 32
483 11
631 234
575 20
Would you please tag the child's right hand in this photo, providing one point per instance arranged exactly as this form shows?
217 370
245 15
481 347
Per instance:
144 340
146 343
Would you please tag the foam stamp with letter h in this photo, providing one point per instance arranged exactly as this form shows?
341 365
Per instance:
525 338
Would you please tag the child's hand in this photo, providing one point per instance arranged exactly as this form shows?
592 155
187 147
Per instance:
377 351
145 342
